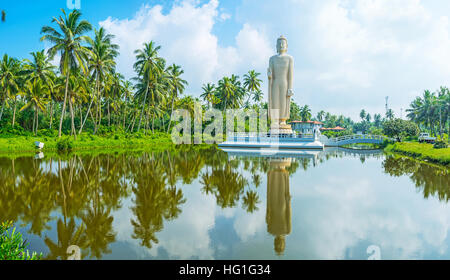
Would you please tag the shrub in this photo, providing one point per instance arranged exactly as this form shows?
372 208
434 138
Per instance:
400 129
64 144
441 142
12 246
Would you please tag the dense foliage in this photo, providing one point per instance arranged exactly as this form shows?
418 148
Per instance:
400 129
12 246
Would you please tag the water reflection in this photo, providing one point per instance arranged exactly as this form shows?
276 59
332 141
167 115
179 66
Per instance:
74 199
278 216
430 180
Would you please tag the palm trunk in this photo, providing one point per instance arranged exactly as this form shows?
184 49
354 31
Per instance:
72 116
34 121
132 125
37 121
170 121
64 105
109 116
87 115
14 113
51 112
3 107
143 106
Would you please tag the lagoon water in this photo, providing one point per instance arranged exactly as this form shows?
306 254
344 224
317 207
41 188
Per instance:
205 204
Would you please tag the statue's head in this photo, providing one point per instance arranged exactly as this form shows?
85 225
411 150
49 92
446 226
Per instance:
282 45
279 245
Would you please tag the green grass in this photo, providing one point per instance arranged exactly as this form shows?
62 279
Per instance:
25 144
12 246
424 152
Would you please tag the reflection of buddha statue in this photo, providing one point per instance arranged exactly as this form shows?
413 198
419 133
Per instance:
278 215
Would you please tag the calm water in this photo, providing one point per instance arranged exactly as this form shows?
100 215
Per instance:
207 204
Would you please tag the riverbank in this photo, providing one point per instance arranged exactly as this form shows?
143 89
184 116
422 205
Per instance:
424 152
26 144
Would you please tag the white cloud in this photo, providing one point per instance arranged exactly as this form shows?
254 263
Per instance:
349 54
186 36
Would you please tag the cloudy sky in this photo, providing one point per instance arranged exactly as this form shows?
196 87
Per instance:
349 54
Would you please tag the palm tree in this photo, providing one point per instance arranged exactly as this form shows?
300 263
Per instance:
176 84
208 93
8 79
390 114
251 82
305 113
148 69
41 69
377 120
68 42
320 115
101 62
362 114
226 91
368 117
36 95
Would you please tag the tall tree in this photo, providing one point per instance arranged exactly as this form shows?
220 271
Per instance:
148 70
68 43
8 80
176 84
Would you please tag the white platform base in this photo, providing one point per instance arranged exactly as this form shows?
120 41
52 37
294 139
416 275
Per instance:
273 145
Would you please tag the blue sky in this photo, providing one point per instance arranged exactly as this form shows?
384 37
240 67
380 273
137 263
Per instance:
349 54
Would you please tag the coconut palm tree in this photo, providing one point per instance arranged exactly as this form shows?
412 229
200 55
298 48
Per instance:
320 115
226 92
390 114
101 62
36 94
362 114
68 43
208 93
305 113
148 68
42 69
9 77
252 83
177 85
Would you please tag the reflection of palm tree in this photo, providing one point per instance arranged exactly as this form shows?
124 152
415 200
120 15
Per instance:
99 231
228 186
207 184
68 235
431 180
251 200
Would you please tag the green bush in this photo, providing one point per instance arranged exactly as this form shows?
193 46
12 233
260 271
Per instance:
12 246
441 142
64 144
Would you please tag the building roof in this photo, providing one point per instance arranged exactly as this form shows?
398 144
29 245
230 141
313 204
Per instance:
336 128
310 122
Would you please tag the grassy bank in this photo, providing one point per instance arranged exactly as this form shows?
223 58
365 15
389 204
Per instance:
424 152
25 144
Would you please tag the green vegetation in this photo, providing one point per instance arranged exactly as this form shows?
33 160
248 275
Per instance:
425 152
12 246
399 129
85 141
432 111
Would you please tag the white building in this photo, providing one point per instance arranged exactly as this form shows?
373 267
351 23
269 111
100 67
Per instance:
308 127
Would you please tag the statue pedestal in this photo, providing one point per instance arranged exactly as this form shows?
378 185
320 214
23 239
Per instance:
275 131
282 128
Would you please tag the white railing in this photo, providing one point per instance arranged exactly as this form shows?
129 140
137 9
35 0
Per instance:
355 138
